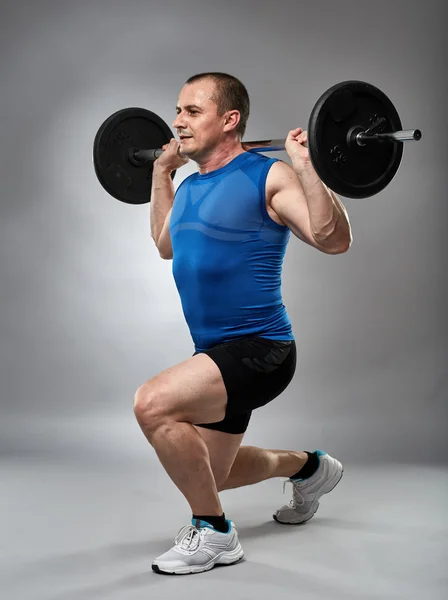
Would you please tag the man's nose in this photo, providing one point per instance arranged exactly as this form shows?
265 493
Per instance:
179 123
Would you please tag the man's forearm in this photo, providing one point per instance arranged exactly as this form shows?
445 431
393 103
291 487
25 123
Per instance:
328 218
162 197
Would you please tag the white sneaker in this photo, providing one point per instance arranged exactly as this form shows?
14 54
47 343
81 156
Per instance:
306 492
199 547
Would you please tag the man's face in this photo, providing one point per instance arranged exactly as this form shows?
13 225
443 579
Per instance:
198 124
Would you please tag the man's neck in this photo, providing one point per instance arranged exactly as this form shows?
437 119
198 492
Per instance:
220 158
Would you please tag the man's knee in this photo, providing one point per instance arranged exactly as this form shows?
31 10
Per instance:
150 405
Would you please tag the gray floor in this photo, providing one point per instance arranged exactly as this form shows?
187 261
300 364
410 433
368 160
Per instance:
84 530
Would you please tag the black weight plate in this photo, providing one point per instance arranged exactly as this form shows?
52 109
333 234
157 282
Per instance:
128 128
349 169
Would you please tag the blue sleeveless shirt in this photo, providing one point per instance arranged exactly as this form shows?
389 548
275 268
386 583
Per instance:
228 254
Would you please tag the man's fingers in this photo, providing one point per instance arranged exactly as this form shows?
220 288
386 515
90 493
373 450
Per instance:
294 133
298 135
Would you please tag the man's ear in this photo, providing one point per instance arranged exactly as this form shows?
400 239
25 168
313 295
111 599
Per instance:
232 119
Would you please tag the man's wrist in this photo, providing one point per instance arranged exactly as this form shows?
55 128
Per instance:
304 169
161 169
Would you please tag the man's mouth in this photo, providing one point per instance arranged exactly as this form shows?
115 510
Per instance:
184 137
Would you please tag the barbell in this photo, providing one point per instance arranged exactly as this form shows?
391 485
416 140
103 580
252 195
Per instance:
355 142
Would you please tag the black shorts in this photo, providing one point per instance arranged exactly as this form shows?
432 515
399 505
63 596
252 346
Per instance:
255 370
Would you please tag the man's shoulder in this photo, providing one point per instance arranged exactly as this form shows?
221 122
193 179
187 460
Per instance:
279 176
189 179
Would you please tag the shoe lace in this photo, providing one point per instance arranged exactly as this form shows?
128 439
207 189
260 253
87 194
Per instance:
297 498
188 538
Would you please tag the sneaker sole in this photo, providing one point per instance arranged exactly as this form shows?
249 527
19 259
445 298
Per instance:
225 558
315 505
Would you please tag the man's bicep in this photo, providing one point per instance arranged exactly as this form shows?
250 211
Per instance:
286 198
164 242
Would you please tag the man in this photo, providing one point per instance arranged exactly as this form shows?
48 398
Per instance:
226 229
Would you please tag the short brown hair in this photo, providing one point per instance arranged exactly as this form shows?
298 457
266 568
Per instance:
231 94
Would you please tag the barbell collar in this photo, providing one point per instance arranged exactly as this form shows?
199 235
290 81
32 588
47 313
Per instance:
408 135
141 157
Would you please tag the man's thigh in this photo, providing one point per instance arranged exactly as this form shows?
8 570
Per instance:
192 391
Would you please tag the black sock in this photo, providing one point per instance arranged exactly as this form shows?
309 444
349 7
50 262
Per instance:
309 468
218 523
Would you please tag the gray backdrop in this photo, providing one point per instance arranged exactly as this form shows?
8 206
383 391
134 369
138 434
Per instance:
88 310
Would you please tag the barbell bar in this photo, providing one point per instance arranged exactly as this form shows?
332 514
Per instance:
151 154
409 135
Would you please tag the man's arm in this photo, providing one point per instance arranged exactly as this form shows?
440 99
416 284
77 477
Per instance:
162 198
164 242
305 204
